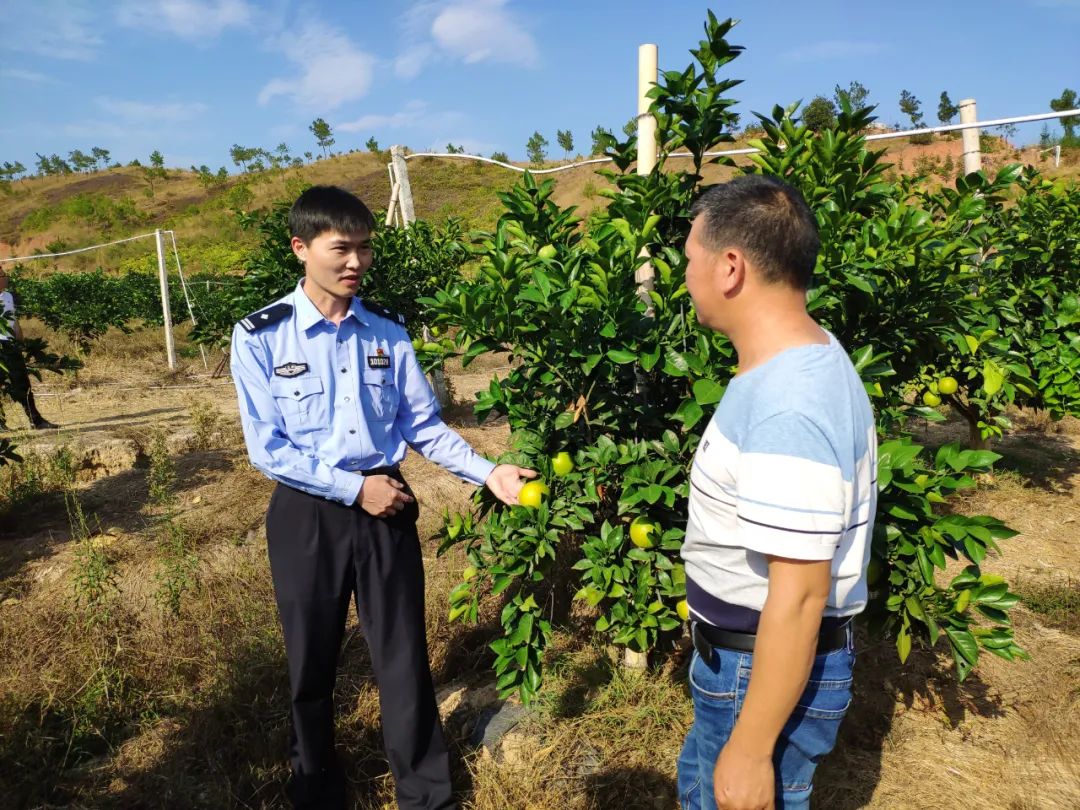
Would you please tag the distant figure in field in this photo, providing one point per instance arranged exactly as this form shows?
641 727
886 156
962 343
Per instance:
11 357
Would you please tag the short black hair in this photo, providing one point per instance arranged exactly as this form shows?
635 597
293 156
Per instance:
328 208
768 220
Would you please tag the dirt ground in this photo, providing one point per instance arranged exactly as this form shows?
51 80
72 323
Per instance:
1006 738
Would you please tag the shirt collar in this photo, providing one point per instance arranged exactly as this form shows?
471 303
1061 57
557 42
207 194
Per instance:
307 314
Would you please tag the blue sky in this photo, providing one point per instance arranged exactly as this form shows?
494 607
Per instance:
193 77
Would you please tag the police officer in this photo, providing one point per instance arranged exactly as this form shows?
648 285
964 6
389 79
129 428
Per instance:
330 395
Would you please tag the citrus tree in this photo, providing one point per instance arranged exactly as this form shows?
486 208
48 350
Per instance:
609 385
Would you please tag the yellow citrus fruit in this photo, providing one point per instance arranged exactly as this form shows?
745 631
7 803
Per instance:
547 252
947 385
532 494
469 573
640 531
561 463
931 399
683 609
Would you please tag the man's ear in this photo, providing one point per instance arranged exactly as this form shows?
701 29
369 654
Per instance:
730 271
299 248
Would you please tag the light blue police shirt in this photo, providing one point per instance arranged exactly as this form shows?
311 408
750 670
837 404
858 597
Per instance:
319 402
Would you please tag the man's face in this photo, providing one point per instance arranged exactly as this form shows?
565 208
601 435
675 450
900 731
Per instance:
701 281
335 262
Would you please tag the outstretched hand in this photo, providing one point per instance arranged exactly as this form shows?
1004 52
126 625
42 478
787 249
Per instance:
505 482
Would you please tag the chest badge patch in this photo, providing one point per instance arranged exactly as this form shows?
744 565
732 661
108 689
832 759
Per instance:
290 369
378 360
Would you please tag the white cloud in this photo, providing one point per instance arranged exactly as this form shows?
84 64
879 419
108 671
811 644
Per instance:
333 70
481 30
415 115
141 112
471 31
58 29
834 49
189 19
411 62
26 76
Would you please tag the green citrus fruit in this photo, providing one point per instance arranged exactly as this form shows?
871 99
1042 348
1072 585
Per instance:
547 253
469 573
683 609
532 494
562 464
417 344
640 531
947 385
1069 304
931 399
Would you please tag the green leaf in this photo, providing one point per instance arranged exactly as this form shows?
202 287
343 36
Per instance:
964 643
993 377
707 392
621 356
903 644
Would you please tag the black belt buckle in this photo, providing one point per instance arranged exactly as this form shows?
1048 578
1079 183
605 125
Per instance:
701 644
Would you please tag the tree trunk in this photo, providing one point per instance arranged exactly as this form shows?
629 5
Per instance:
636 661
976 441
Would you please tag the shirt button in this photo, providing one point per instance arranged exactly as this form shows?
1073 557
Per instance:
346 399
296 393
344 371
351 430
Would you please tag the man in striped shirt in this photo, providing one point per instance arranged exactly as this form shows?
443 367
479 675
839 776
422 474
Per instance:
783 493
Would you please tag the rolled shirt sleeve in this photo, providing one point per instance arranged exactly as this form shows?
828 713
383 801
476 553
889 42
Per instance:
269 448
420 424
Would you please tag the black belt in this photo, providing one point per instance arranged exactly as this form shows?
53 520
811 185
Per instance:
393 469
706 637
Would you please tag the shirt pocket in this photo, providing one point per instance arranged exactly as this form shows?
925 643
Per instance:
296 396
379 395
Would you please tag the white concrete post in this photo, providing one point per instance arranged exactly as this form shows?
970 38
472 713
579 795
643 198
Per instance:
401 174
647 153
163 279
970 137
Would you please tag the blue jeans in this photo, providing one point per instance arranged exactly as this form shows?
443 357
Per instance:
719 689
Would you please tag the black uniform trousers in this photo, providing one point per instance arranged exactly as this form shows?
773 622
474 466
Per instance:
11 357
321 554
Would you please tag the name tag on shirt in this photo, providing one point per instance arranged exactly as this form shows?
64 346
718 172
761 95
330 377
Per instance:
378 361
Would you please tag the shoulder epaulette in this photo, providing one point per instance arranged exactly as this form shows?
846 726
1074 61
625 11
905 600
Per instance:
265 317
378 309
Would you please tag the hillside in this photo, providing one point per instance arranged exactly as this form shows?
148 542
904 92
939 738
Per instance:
57 213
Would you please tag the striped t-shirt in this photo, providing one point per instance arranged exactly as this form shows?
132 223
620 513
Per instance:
787 467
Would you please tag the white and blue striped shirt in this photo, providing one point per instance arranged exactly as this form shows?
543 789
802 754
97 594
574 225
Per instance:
786 468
